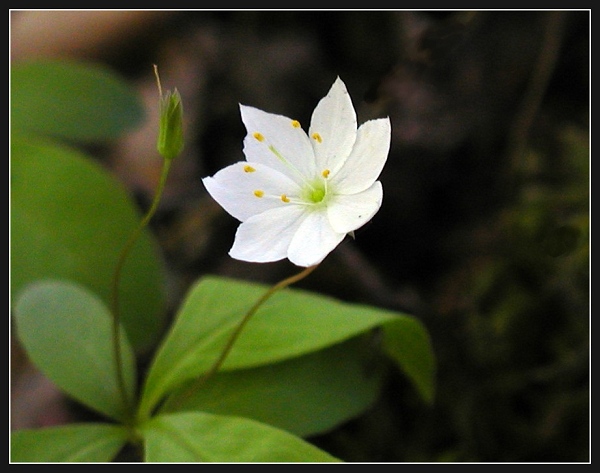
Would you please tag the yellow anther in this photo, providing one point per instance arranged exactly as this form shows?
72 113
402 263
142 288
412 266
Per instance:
258 193
249 169
258 136
284 198
317 137
325 173
295 123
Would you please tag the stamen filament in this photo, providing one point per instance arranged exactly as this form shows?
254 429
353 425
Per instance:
290 165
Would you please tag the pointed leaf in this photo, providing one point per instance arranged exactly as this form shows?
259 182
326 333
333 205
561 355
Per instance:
202 437
308 395
290 324
69 443
409 346
73 100
67 333
70 220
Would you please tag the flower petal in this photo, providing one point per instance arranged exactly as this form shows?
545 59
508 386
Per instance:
333 128
349 212
367 158
244 190
278 142
266 237
314 240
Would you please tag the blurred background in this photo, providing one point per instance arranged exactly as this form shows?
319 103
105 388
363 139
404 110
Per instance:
484 229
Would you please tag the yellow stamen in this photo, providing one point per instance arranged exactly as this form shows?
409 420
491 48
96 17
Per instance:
259 193
284 198
325 173
258 136
249 169
317 137
295 123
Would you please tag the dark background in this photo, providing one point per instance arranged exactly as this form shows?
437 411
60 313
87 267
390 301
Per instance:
484 229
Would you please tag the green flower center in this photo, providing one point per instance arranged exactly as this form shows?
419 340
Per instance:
315 192
317 195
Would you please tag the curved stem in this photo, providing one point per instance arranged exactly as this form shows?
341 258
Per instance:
536 88
116 329
238 329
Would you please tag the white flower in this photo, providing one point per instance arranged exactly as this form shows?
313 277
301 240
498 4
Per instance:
299 195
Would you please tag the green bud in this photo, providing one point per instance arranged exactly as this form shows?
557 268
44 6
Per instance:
170 133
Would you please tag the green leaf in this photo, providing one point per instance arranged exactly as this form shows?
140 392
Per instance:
70 220
290 324
72 100
67 333
408 345
202 437
69 443
307 395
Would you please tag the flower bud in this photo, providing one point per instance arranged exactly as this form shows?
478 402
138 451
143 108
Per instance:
170 133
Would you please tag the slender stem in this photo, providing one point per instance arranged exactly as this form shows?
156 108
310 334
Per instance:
536 88
116 329
238 329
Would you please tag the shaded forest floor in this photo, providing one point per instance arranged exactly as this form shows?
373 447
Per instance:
484 229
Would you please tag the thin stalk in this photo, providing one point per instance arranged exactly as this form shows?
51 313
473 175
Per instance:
116 328
238 329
